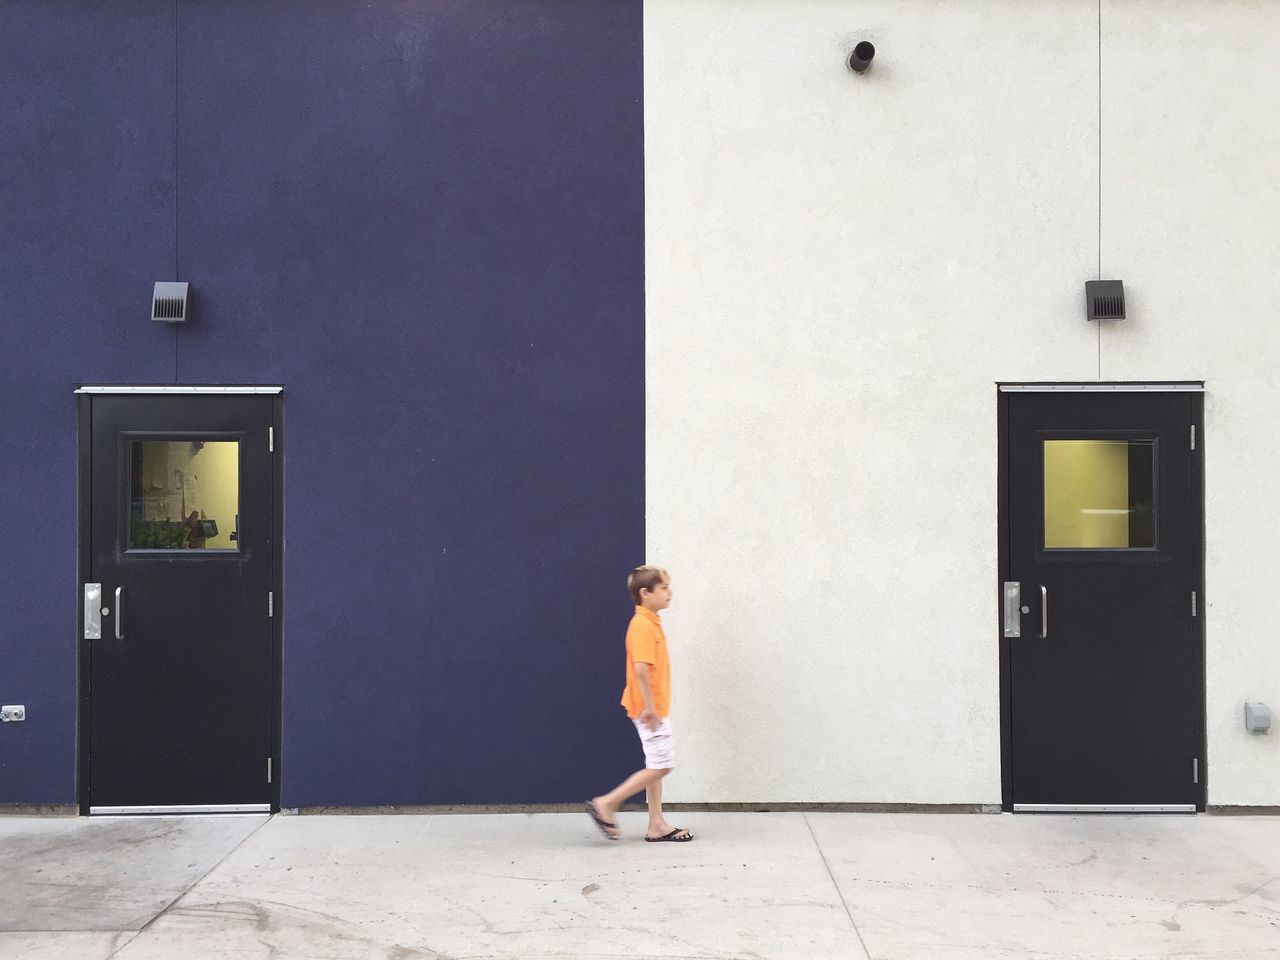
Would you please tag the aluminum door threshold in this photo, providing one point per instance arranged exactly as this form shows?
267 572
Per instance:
180 809
1104 808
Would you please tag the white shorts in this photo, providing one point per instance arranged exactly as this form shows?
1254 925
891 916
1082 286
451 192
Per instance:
659 748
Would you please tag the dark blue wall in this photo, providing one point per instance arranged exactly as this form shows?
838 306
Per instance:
426 222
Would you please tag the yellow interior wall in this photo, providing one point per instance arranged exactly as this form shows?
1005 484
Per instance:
1086 475
155 483
215 470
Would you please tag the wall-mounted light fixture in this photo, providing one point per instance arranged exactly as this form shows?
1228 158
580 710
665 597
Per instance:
862 56
1104 299
169 302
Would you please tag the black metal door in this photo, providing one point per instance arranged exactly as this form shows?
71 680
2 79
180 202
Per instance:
179 695
1102 599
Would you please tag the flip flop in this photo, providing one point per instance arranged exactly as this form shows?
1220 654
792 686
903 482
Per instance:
672 836
604 825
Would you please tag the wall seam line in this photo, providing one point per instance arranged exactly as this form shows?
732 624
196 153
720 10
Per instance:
1099 274
177 37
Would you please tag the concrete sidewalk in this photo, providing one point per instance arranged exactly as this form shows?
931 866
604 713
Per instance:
779 886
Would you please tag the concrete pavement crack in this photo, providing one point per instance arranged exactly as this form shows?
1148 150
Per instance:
839 892
170 905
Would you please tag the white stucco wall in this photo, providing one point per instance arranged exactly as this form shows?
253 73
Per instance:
1191 221
839 270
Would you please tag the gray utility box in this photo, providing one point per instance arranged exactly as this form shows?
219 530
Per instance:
1257 717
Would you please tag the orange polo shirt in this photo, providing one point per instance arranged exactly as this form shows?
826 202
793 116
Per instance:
646 643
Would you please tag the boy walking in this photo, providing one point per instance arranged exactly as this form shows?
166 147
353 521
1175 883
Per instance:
647 699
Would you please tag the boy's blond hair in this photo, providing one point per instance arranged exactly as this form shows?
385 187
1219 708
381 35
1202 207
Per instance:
645 578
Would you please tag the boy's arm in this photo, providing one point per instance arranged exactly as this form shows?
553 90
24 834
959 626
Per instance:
649 715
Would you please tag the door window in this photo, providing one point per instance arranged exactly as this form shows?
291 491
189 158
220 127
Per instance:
1099 495
184 494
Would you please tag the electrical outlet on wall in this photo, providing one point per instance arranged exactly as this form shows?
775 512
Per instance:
12 713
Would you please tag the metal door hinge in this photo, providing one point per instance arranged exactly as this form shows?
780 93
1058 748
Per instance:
1193 604
268 769
1193 436
271 440
1195 769
271 603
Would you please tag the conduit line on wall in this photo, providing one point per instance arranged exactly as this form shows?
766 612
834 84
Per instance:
177 39
1099 331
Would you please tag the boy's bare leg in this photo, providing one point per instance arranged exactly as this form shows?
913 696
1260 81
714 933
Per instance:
657 825
607 805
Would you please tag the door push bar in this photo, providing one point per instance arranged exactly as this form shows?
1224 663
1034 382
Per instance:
1013 610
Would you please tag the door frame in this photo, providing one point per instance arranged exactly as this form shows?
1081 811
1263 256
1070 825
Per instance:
84 478
1004 481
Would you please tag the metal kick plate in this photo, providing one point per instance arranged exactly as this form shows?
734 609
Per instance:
93 611
1012 608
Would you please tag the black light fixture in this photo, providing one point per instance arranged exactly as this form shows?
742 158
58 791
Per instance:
169 302
862 56
1104 299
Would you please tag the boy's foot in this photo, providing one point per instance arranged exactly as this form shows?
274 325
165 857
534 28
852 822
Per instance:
607 827
676 835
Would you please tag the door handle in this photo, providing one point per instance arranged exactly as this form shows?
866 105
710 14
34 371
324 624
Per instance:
119 613
1044 612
